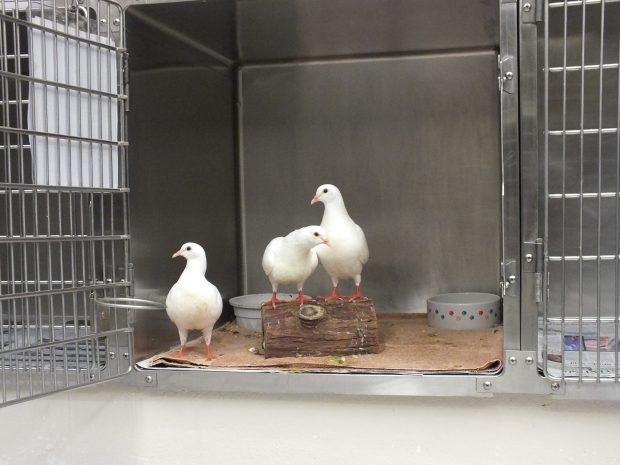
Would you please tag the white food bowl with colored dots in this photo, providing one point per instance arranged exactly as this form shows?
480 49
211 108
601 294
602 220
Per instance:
464 310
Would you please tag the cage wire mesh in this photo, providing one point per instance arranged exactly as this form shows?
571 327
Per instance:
582 184
63 196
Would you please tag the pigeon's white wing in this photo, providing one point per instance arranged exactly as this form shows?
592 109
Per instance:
269 257
364 253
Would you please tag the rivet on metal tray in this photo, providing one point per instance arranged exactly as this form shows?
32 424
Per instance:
91 376
148 379
512 360
529 257
527 7
116 21
555 386
112 355
126 356
487 385
529 360
103 21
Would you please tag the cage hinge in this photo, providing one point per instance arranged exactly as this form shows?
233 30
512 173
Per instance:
506 78
531 11
533 262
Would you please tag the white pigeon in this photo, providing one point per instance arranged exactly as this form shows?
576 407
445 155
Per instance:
348 250
193 302
292 259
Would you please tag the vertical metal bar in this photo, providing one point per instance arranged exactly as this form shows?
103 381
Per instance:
600 177
617 254
563 298
581 126
62 285
546 183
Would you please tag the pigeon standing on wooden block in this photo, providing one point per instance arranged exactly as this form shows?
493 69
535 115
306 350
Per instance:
292 259
193 302
348 250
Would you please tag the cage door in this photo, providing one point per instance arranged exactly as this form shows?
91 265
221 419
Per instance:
578 330
64 233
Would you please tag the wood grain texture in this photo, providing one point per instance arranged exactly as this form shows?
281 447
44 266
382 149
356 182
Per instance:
347 328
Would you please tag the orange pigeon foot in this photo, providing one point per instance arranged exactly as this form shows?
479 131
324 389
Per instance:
274 300
333 296
208 352
301 299
180 352
357 296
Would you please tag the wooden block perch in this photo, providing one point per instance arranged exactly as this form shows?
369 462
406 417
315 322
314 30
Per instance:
327 328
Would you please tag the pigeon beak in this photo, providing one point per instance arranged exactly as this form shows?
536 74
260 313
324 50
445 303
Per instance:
326 241
178 253
315 199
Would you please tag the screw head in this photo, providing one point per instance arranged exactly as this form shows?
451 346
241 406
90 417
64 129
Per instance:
148 379
508 76
103 21
529 360
112 355
555 386
512 360
487 385
527 7
529 257
116 21
126 356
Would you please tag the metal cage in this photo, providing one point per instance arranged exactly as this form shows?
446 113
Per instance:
581 165
64 232
64 220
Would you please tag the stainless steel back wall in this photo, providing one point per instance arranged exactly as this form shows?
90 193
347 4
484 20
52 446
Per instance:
301 29
413 143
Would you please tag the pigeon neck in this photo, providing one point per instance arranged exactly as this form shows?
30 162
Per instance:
298 243
335 209
196 264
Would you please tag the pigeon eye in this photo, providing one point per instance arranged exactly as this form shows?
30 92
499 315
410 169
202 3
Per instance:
188 248
316 234
324 191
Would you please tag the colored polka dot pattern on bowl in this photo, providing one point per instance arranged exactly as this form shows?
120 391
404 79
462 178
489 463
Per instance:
463 315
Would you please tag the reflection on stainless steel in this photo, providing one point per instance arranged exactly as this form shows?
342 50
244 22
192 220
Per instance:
428 199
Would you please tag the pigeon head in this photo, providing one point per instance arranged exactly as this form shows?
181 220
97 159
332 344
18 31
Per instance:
327 193
190 250
313 236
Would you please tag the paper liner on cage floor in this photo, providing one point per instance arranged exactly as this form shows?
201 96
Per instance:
319 329
408 345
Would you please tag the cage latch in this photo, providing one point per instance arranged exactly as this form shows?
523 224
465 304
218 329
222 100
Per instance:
506 76
509 280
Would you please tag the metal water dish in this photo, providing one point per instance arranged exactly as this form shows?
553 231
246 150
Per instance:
464 310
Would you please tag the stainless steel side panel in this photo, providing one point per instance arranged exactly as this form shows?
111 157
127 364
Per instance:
182 176
413 143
